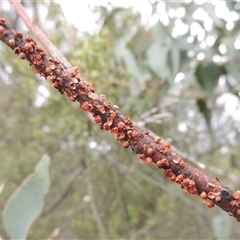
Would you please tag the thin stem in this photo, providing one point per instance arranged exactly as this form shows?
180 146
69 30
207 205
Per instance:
39 33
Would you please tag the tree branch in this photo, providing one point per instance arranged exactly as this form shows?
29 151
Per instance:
108 117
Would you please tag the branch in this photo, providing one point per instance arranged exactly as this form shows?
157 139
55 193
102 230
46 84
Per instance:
95 212
197 163
108 117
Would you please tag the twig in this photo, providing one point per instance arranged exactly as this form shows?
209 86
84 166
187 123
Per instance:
94 209
157 108
198 163
156 118
107 115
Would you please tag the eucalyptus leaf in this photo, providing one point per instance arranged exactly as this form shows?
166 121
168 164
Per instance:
208 75
203 108
175 59
157 60
137 81
160 33
26 203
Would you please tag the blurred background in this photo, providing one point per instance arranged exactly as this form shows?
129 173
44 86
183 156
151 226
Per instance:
173 68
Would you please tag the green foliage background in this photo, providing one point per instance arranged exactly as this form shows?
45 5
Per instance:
105 191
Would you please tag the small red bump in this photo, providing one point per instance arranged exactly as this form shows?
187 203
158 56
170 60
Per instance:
210 204
167 173
2 30
211 195
176 160
42 54
167 145
103 97
52 66
185 182
109 121
121 126
165 162
134 134
22 55
157 139
28 47
149 160
128 121
159 163
203 195
71 98
238 212
142 157
19 34
29 38
106 126
101 109
33 44
173 177
129 133
182 163
162 163
191 183
93 96
236 195
48 70
11 42
97 119
71 84
60 81
146 132
179 179
52 80
74 71
114 130
85 106
150 151
125 144
2 21
120 135
113 115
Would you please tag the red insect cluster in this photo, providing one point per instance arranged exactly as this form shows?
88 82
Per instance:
108 117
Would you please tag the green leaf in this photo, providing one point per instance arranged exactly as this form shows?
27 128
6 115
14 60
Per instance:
138 80
202 105
157 60
27 202
175 59
160 33
208 76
